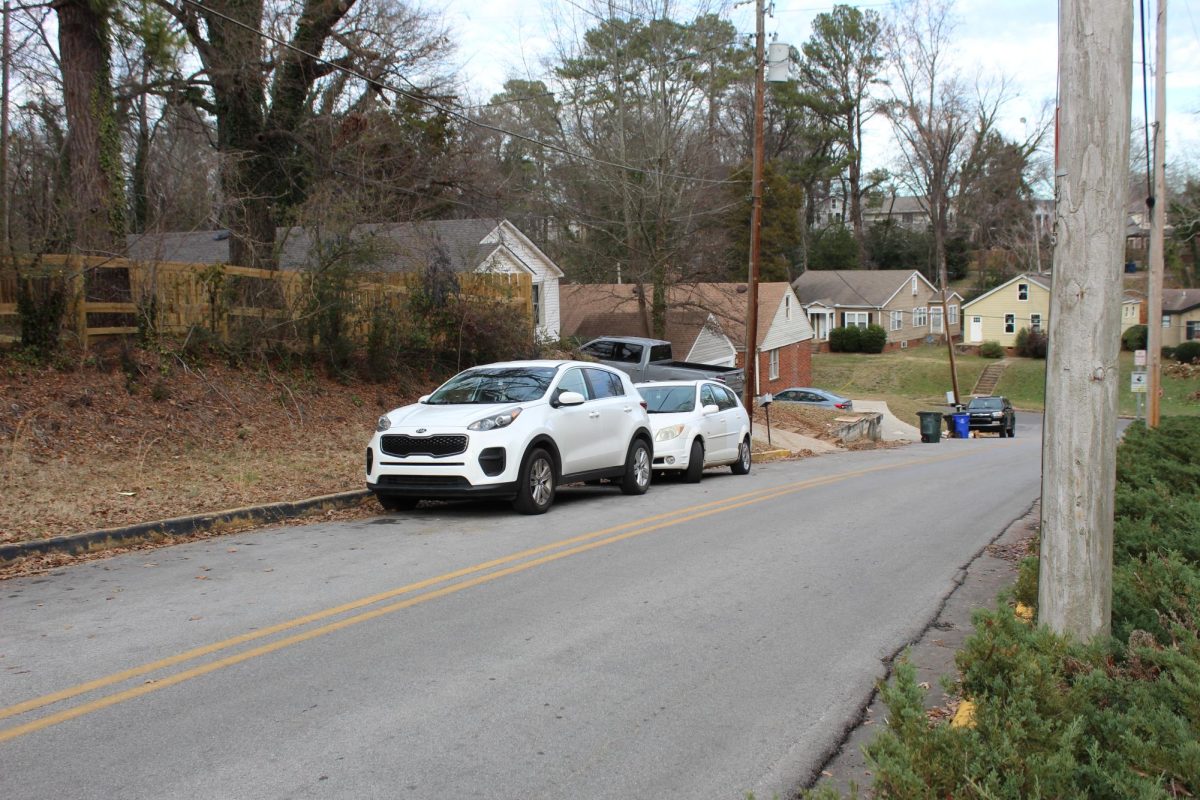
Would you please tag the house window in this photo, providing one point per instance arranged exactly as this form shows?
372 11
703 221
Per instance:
914 285
935 319
952 315
1022 291
1010 323
787 307
537 304
856 319
1166 320
1035 322
1193 330
897 320
772 365
920 319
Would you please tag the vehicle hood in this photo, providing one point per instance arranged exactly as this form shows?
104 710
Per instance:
422 415
660 421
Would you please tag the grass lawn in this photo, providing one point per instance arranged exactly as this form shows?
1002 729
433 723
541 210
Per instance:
918 378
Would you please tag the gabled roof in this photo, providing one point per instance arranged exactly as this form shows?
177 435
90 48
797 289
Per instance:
898 204
854 288
611 309
1038 280
390 246
1177 301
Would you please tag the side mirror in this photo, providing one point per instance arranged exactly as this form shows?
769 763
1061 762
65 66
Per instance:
711 408
570 399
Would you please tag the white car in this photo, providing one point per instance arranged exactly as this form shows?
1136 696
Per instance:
514 430
697 424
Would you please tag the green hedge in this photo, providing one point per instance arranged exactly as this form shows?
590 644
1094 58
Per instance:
1118 718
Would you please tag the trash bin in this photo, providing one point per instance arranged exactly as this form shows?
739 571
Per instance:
962 425
931 426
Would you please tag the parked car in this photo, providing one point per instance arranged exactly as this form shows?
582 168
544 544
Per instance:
697 424
514 430
650 360
992 413
814 397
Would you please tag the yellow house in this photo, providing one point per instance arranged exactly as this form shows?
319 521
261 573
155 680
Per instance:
1180 316
997 316
1133 310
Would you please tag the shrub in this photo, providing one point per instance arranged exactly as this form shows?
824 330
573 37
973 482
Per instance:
1187 352
1031 344
872 339
41 306
1134 338
847 339
991 350
1167 352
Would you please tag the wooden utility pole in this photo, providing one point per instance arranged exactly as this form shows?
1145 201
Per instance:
1079 435
760 87
1158 220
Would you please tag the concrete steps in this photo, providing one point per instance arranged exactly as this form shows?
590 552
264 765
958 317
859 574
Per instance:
990 377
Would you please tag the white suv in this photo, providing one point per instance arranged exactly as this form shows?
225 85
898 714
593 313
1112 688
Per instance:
515 430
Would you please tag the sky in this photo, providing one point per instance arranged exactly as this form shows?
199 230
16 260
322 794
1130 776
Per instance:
1018 38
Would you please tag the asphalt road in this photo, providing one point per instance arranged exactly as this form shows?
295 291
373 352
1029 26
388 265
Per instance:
696 642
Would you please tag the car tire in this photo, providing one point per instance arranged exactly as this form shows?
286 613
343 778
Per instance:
695 469
535 483
637 469
1012 431
393 503
742 465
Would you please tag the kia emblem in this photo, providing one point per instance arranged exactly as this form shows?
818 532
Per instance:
421 430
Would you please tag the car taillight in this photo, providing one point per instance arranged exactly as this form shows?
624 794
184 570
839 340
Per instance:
841 405
644 406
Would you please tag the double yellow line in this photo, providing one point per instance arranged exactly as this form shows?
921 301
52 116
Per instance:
455 581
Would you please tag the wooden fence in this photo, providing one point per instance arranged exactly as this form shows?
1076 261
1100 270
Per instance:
108 296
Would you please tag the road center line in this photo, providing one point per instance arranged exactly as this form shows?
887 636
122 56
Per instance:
573 546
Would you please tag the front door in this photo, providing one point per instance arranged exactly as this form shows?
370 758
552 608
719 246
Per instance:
976 329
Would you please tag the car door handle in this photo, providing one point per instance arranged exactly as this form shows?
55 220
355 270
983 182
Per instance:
628 409
593 414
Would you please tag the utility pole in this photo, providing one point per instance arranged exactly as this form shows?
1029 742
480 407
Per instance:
760 86
1158 220
1079 432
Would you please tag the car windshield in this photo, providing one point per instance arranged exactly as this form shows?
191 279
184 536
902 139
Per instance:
494 385
985 404
668 399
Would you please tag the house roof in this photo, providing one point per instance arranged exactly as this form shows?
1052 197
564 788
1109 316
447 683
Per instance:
859 288
611 309
1176 301
392 246
1039 280
897 204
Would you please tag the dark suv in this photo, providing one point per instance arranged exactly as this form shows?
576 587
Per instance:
992 414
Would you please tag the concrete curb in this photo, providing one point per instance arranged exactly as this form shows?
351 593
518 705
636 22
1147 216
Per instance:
179 526
772 455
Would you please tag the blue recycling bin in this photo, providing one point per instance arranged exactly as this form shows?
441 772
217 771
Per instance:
962 425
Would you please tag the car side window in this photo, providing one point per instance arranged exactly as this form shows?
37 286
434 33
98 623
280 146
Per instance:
725 398
627 353
602 350
809 397
604 383
572 381
786 396
707 397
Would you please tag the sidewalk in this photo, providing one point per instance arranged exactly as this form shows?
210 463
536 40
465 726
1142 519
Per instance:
893 428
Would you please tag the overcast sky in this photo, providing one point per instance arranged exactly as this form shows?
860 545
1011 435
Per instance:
503 38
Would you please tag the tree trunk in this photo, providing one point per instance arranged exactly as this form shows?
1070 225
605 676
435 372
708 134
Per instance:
95 206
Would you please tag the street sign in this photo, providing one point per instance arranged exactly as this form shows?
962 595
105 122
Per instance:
1137 382
1139 358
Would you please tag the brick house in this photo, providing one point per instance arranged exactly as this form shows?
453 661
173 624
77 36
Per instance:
706 323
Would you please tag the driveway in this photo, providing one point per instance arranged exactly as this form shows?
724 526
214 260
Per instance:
892 428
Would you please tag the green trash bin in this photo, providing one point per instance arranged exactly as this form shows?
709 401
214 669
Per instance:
931 426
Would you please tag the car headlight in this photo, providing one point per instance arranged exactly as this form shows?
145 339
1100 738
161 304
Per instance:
997 414
383 424
495 421
668 433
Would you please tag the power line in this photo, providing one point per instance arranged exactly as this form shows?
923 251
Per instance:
451 112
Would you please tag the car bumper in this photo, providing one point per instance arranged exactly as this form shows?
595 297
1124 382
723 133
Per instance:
487 467
672 454
987 424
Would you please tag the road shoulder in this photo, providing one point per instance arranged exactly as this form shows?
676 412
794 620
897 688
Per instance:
990 572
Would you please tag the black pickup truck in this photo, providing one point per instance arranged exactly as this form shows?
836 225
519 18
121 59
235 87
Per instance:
650 360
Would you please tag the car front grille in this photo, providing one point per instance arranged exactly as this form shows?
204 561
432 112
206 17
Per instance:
397 481
398 444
